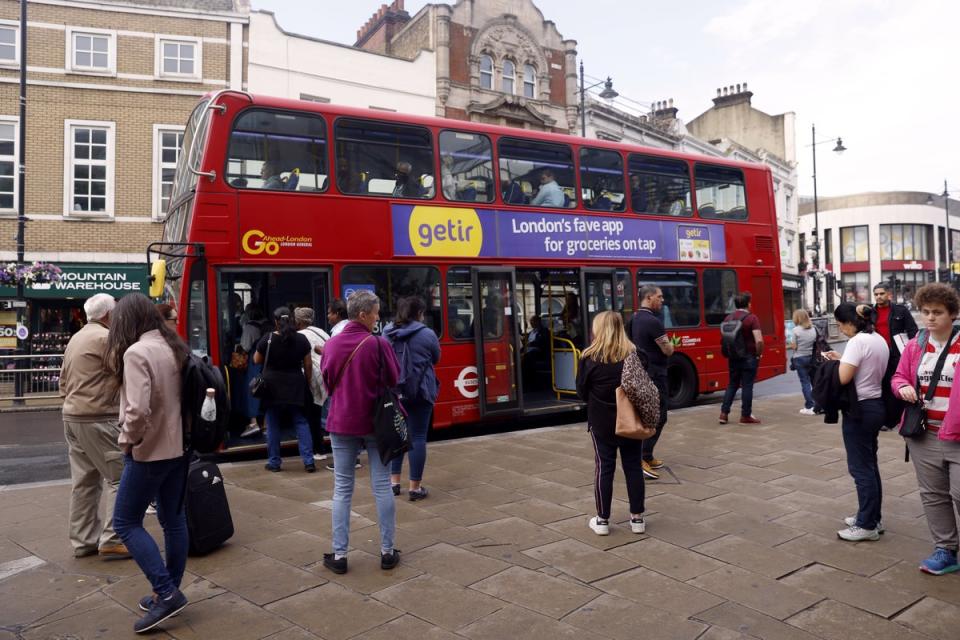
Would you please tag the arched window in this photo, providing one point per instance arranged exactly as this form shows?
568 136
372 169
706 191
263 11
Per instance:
529 81
486 72
509 76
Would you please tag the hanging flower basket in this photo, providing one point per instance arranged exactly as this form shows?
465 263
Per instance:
29 274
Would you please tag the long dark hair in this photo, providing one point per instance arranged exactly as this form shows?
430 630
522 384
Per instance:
409 309
133 316
286 327
862 316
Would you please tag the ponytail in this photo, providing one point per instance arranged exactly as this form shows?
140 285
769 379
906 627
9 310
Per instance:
862 316
285 324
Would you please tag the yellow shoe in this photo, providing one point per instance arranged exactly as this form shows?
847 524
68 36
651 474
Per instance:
648 472
655 463
114 551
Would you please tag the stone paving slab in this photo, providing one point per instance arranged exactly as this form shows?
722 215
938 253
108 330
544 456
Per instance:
740 543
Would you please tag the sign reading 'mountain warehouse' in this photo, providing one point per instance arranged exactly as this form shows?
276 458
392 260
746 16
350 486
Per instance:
84 280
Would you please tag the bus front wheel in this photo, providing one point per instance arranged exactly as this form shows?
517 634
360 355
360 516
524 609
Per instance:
682 382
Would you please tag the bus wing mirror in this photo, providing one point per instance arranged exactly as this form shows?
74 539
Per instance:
158 277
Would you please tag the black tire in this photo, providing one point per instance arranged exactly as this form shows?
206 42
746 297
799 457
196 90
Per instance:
682 381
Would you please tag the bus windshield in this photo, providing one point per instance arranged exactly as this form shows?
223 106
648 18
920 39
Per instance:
190 153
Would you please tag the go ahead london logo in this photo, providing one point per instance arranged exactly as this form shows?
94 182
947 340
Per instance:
255 242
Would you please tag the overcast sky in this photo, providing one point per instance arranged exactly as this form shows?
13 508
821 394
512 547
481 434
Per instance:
876 72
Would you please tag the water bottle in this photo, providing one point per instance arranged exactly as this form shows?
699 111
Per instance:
208 411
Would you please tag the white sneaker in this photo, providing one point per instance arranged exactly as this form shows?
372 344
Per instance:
251 430
637 525
319 456
851 521
858 534
600 527
807 412
151 509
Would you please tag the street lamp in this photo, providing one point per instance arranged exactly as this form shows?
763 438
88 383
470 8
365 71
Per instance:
839 148
608 93
946 230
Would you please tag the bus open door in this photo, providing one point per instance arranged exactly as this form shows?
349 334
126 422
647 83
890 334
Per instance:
497 342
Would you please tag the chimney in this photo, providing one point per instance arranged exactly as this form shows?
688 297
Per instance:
733 94
377 33
664 110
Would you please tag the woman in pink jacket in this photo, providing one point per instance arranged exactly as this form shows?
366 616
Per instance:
936 453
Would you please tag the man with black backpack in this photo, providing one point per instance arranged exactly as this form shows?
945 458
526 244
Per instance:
741 343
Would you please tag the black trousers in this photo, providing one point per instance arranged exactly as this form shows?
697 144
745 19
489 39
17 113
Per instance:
605 460
661 382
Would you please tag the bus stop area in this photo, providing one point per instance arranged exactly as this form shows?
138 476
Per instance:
741 543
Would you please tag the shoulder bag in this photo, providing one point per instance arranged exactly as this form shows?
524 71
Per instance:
258 385
914 422
638 402
389 421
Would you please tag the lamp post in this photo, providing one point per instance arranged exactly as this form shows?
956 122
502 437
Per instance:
946 230
816 216
608 93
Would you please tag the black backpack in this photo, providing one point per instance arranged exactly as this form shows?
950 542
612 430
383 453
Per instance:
820 345
733 344
197 376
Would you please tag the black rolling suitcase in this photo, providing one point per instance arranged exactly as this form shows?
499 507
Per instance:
208 513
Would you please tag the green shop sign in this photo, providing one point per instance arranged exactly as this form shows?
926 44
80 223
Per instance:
84 280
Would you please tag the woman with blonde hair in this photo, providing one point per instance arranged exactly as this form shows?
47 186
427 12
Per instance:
804 337
601 367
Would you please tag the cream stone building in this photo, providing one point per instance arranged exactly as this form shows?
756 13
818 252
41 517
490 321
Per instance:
110 86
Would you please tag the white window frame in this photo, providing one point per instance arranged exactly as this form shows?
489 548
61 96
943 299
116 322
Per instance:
68 164
158 165
111 36
504 77
10 24
532 83
158 71
15 121
489 73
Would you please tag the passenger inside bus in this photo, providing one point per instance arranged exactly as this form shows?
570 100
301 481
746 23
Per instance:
550 194
270 173
402 187
535 359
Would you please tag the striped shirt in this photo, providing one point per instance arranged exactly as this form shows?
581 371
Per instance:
937 407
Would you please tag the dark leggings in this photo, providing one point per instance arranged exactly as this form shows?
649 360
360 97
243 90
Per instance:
605 456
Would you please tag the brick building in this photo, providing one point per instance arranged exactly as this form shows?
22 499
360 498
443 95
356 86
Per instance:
498 61
110 86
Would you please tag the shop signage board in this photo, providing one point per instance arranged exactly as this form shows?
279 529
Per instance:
84 280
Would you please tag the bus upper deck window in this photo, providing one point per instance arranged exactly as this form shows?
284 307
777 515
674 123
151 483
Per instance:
537 173
660 186
720 193
385 159
466 167
601 180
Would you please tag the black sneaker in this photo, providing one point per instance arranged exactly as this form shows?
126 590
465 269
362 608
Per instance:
395 488
270 467
389 560
417 494
146 602
337 566
310 468
161 609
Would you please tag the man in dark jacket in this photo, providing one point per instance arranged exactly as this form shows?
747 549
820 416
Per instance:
893 320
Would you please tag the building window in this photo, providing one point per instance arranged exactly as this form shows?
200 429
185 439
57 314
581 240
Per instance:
178 57
906 283
905 242
88 165
91 51
856 286
8 165
509 76
853 244
529 81
486 72
9 44
167 142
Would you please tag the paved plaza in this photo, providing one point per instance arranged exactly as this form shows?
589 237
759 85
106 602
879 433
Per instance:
741 543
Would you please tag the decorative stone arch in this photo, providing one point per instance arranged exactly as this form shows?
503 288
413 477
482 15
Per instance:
505 37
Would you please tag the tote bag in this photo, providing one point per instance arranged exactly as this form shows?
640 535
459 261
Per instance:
389 421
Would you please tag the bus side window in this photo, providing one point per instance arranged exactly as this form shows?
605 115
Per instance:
460 303
385 159
601 180
659 186
466 166
543 167
681 296
720 192
719 289
392 283
277 151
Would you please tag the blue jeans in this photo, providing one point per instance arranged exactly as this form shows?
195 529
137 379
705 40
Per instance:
743 371
418 423
663 386
251 405
304 440
140 483
860 441
345 450
803 366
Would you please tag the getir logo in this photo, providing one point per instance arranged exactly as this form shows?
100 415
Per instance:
445 231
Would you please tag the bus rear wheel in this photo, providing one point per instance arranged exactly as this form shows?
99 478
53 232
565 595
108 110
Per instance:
681 381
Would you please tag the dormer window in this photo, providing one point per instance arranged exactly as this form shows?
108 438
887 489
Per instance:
486 72
509 76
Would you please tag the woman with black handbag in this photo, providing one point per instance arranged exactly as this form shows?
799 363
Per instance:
932 427
287 365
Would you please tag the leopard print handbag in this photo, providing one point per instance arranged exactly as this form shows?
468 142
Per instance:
640 390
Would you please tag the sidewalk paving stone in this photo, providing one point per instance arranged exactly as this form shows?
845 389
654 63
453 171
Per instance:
668 559
333 612
297 548
932 617
210 618
536 591
679 532
408 628
658 591
510 621
538 511
751 556
863 593
776 599
836 621
456 564
622 619
762 532
265 580
580 560
578 529
439 601
753 624
109 620
517 532
904 575
847 556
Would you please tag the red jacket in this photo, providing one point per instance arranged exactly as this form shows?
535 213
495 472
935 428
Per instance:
352 397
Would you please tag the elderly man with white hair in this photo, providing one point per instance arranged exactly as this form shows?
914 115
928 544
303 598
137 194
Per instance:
91 406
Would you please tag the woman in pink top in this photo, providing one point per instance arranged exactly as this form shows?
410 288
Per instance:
148 356
936 453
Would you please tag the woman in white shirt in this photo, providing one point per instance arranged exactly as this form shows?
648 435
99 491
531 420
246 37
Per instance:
863 364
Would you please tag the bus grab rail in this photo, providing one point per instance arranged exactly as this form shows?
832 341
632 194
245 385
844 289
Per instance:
211 106
553 363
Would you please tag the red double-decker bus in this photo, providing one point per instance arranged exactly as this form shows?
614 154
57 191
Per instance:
515 239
